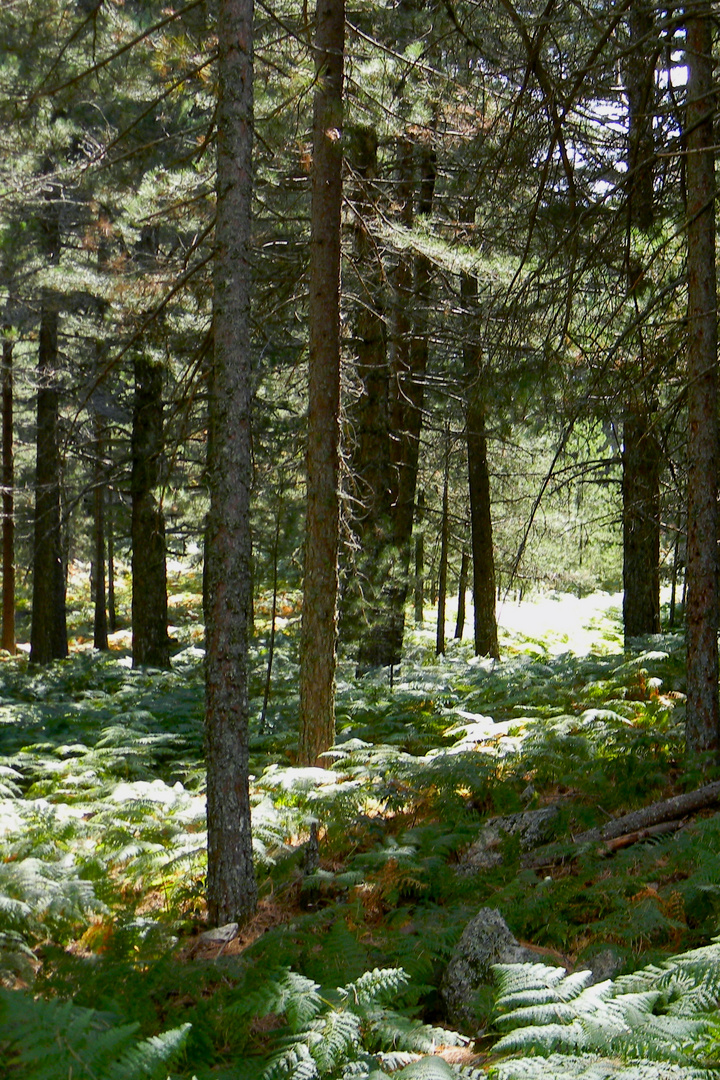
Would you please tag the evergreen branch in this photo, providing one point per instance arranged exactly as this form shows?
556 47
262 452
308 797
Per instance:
172 17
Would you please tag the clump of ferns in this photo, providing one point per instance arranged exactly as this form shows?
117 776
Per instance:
44 1040
665 1013
351 1031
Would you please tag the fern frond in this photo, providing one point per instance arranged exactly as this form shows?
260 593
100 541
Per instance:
373 987
427 1068
53 1038
285 992
340 1034
591 1067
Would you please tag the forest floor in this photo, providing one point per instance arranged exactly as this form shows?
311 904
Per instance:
102 826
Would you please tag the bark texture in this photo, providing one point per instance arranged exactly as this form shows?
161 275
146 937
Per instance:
319 620
150 641
8 500
231 886
483 552
413 284
641 459
371 614
48 633
703 712
100 621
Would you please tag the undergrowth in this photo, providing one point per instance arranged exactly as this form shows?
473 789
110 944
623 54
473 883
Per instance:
102 837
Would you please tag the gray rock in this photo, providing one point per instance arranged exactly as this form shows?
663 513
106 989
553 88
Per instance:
486 940
532 827
220 935
604 963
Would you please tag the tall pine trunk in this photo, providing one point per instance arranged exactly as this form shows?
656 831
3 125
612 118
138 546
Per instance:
8 497
444 544
485 630
320 590
100 620
641 523
702 725
48 633
641 458
231 885
413 285
370 614
150 642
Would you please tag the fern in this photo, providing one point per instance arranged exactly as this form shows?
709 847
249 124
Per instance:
43 1040
664 1014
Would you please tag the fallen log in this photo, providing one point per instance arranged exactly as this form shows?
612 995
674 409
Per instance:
628 839
677 807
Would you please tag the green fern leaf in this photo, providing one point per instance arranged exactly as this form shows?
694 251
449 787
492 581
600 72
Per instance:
376 986
428 1068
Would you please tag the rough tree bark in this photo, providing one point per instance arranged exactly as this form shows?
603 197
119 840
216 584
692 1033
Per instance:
483 552
319 618
231 885
641 458
48 632
100 621
702 725
444 544
8 500
371 600
150 642
462 589
412 350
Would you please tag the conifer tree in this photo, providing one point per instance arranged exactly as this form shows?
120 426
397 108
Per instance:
703 707
319 621
231 887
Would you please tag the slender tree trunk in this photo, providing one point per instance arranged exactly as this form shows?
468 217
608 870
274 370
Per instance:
485 631
444 540
419 597
462 589
8 499
641 523
273 619
413 285
151 645
702 725
231 886
375 564
641 458
100 622
48 634
110 522
319 619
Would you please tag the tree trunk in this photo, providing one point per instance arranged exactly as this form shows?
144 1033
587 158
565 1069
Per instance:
375 564
110 522
231 886
48 634
444 540
641 458
319 618
702 725
100 622
8 498
150 643
483 554
412 347
419 590
641 523
462 589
